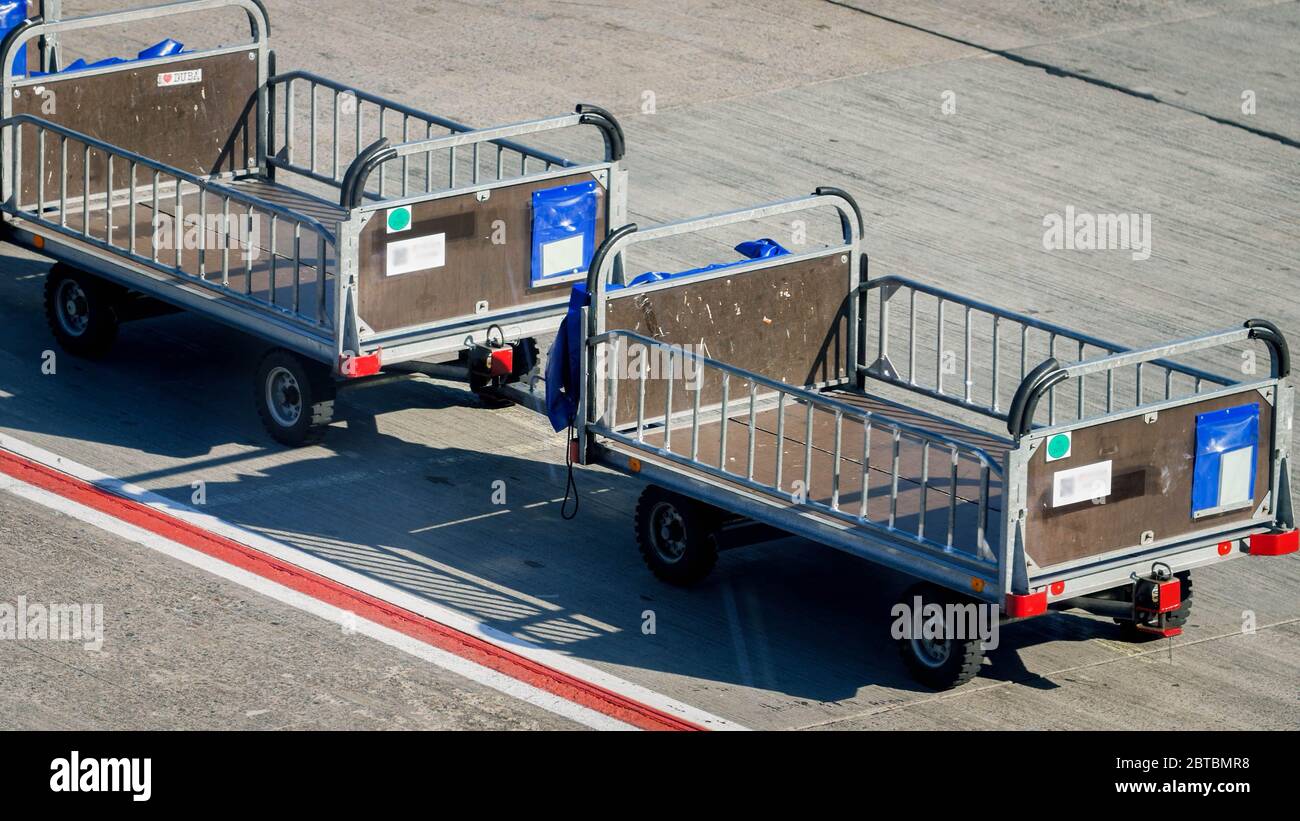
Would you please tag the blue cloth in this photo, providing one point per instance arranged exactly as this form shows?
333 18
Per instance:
564 362
13 12
164 48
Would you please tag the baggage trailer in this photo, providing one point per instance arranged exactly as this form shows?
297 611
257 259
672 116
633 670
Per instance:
353 233
1115 473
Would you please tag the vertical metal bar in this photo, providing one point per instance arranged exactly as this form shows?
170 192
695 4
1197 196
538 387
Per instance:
695 413
640 394
1110 390
153 239
938 351
882 333
753 430
322 292
311 147
451 167
835 471
925 488
501 163
40 174
248 257
179 219
428 161
225 245
85 193
63 181
997 326
893 480
274 262
130 205
476 162
969 372
780 436
203 234
1051 392
808 449
297 264
722 433
335 146
108 199
1024 351
982 544
1138 386
289 106
1169 383
952 494
1082 386
406 160
866 469
911 336
668 403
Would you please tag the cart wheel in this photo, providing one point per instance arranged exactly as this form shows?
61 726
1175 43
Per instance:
1128 630
940 663
676 536
295 398
81 310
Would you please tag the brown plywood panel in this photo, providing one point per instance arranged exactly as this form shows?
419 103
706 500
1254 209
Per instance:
1151 484
205 127
476 268
786 322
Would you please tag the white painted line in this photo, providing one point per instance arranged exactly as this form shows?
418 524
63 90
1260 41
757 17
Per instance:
381 590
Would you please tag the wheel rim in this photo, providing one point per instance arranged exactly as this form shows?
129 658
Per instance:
931 652
668 532
283 397
73 309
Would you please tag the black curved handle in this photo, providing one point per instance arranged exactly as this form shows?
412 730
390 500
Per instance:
1020 417
353 187
598 261
266 17
1270 334
615 140
17 33
829 191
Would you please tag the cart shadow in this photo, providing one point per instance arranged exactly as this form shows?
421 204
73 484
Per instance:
787 617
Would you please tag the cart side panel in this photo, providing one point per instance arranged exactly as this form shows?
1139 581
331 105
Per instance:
788 322
198 115
1152 470
487 257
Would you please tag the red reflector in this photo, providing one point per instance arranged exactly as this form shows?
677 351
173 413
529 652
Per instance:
1171 595
1275 544
573 451
355 366
1058 588
1021 607
501 362
1225 548
1167 632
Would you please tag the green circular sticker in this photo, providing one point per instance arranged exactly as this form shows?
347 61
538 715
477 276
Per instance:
1058 447
399 219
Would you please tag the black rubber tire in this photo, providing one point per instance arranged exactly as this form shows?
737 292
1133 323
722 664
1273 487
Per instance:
676 536
1128 630
961 658
91 330
299 382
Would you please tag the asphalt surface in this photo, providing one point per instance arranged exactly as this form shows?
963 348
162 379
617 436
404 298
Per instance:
1131 108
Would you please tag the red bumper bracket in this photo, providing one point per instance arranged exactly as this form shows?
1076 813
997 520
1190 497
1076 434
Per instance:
1023 606
1275 544
353 367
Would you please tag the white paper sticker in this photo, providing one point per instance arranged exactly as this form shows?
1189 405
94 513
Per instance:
1082 484
1234 476
180 78
419 254
562 256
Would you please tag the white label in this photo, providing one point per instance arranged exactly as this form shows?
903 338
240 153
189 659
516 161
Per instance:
180 78
561 256
419 254
1234 476
1082 484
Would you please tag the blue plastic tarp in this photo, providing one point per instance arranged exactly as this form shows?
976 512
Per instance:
1230 434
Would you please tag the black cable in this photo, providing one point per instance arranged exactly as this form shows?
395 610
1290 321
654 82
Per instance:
571 484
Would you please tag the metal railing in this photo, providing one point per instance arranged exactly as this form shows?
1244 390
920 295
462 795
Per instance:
944 526
227 223
342 125
1050 373
967 364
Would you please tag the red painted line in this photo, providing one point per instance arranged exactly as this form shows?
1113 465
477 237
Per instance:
364 605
